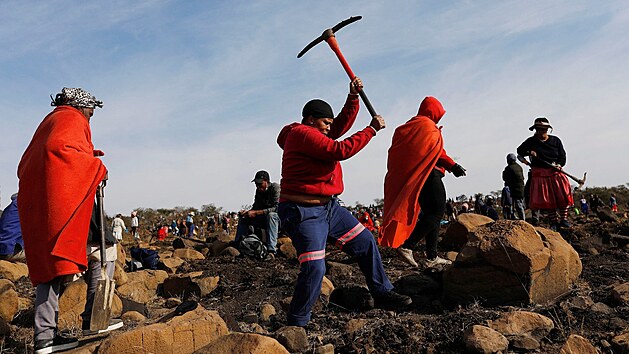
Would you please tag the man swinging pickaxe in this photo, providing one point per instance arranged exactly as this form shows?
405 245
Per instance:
328 36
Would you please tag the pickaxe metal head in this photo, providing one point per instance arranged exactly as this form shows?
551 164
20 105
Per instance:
328 33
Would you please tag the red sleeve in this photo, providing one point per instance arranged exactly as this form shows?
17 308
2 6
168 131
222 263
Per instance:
445 161
346 118
312 143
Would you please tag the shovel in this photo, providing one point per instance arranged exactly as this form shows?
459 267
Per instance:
101 310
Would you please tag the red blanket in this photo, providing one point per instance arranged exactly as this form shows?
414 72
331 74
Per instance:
414 152
58 178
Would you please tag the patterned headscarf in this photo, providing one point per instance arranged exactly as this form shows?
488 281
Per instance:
75 97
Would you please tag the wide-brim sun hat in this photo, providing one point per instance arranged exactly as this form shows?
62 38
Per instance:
541 122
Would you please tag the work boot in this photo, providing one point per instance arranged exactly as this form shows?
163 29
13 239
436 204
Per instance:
407 256
114 324
269 256
391 301
432 263
56 344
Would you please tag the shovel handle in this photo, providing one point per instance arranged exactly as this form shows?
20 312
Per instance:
100 194
335 48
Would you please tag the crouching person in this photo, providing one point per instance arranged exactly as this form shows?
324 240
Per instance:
309 210
263 213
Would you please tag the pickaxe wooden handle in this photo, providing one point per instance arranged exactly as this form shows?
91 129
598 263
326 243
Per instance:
328 37
581 182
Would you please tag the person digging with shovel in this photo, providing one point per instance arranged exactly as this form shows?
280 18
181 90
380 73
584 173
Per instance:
309 210
58 176
549 188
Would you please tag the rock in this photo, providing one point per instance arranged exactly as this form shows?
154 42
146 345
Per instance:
532 266
188 254
121 254
250 317
325 349
293 338
172 302
5 329
224 237
165 254
521 324
451 256
170 265
142 285
179 243
338 271
606 214
354 325
85 348
26 303
524 342
120 276
185 285
9 301
417 284
620 293
182 335
326 287
243 343
72 304
483 339
577 345
602 308
230 251
266 312
285 303
456 234
217 247
130 305
133 316
581 302
288 250
352 298
251 328
283 240
621 343
13 271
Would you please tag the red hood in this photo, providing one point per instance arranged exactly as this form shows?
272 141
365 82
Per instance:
281 139
431 108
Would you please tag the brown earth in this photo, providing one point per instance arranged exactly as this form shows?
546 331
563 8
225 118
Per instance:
430 326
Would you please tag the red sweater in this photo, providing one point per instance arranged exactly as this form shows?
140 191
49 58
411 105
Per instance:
310 162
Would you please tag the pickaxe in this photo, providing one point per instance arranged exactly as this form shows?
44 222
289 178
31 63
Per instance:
581 182
328 36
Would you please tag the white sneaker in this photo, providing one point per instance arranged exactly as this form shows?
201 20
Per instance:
407 256
431 263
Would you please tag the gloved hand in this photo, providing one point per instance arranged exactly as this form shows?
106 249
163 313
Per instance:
457 170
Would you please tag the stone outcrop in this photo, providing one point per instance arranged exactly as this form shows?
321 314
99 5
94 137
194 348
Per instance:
13 271
181 335
531 265
142 285
244 343
9 301
456 234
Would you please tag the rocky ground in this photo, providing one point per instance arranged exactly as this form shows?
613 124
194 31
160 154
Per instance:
251 297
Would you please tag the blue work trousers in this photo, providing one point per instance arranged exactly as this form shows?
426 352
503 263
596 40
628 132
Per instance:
310 228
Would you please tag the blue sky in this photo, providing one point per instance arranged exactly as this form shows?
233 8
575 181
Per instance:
196 92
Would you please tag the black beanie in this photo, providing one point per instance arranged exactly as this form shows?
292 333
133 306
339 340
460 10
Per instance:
318 109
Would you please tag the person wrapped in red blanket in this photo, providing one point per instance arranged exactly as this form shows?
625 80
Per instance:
58 175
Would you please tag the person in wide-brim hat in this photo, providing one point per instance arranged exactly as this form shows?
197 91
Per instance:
548 189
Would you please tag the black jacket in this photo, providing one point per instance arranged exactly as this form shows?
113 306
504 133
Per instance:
514 178
267 200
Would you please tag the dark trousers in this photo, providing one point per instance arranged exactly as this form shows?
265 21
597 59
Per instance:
432 201
310 228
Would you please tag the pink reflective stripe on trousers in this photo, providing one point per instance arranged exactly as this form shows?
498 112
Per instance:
350 235
311 256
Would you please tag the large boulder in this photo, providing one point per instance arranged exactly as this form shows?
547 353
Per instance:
13 271
9 301
188 254
142 285
120 276
531 266
244 343
456 234
181 335
72 304
170 264
577 345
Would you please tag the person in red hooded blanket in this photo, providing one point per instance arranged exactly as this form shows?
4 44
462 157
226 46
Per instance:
59 173
416 164
309 210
